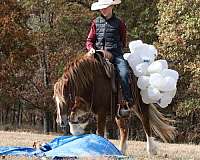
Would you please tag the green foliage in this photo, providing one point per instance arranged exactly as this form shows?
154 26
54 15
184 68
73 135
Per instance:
188 106
179 38
15 48
74 25
14 40
141 17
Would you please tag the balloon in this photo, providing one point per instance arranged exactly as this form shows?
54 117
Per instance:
153 93
164 102
156 80
157 66
146 54
170 73
141 69
143 82
153 50
169 84
134 44
147 59
164 63
134 60
169 93
146 100
142 50
145 97
126 55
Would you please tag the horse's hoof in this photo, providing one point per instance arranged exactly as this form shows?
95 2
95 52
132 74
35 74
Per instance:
152 152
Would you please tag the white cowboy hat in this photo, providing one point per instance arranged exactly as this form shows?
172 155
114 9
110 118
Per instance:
104 4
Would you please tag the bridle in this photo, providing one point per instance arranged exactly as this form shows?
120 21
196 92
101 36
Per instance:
71 98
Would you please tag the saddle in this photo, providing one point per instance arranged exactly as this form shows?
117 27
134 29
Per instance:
104 58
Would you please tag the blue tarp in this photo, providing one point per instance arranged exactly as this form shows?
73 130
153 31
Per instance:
68 146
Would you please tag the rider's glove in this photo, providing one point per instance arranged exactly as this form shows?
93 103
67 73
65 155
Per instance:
92 51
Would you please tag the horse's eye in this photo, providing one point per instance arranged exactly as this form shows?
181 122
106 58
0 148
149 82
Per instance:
80 119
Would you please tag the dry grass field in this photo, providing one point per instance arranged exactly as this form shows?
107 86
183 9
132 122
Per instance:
136 149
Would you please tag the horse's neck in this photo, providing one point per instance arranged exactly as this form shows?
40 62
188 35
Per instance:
82 76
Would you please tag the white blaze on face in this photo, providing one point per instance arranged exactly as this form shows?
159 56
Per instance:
77 129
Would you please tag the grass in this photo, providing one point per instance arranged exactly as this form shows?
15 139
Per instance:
136 149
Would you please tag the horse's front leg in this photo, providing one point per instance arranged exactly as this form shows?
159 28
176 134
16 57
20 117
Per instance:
123 128
101 122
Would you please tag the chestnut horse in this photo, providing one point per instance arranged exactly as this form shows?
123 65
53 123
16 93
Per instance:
84 88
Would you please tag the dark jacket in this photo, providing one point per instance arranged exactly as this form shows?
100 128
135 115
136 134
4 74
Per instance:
109 34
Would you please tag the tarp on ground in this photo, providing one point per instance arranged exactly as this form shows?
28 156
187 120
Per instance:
68 146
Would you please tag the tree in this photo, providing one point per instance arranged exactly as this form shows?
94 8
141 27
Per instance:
179 29
53 26
15 49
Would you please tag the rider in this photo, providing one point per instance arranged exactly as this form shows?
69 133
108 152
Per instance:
108 33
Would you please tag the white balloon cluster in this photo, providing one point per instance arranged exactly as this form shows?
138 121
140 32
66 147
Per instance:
156 81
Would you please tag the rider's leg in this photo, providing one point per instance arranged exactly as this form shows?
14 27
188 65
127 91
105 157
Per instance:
122 69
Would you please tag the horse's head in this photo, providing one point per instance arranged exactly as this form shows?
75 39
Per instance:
76 113
70 109
79 116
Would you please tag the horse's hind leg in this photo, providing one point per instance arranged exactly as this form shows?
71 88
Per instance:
151 147
123 128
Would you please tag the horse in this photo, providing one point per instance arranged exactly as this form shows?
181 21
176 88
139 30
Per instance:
84 88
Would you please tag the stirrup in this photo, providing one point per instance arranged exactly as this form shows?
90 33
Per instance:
122 112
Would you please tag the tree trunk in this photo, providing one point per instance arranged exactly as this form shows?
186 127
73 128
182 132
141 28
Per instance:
55 126
13 117
45 123
34 119
48 122
6 120
1 117
44 66
19 115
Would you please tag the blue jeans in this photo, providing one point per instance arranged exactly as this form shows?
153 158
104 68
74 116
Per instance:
121 66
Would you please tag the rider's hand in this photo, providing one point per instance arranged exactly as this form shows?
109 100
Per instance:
107 54
91 52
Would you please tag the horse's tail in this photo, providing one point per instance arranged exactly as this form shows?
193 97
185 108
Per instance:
150 114
59 97
157 121
160 124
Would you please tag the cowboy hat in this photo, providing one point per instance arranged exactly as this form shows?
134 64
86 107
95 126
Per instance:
104 4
